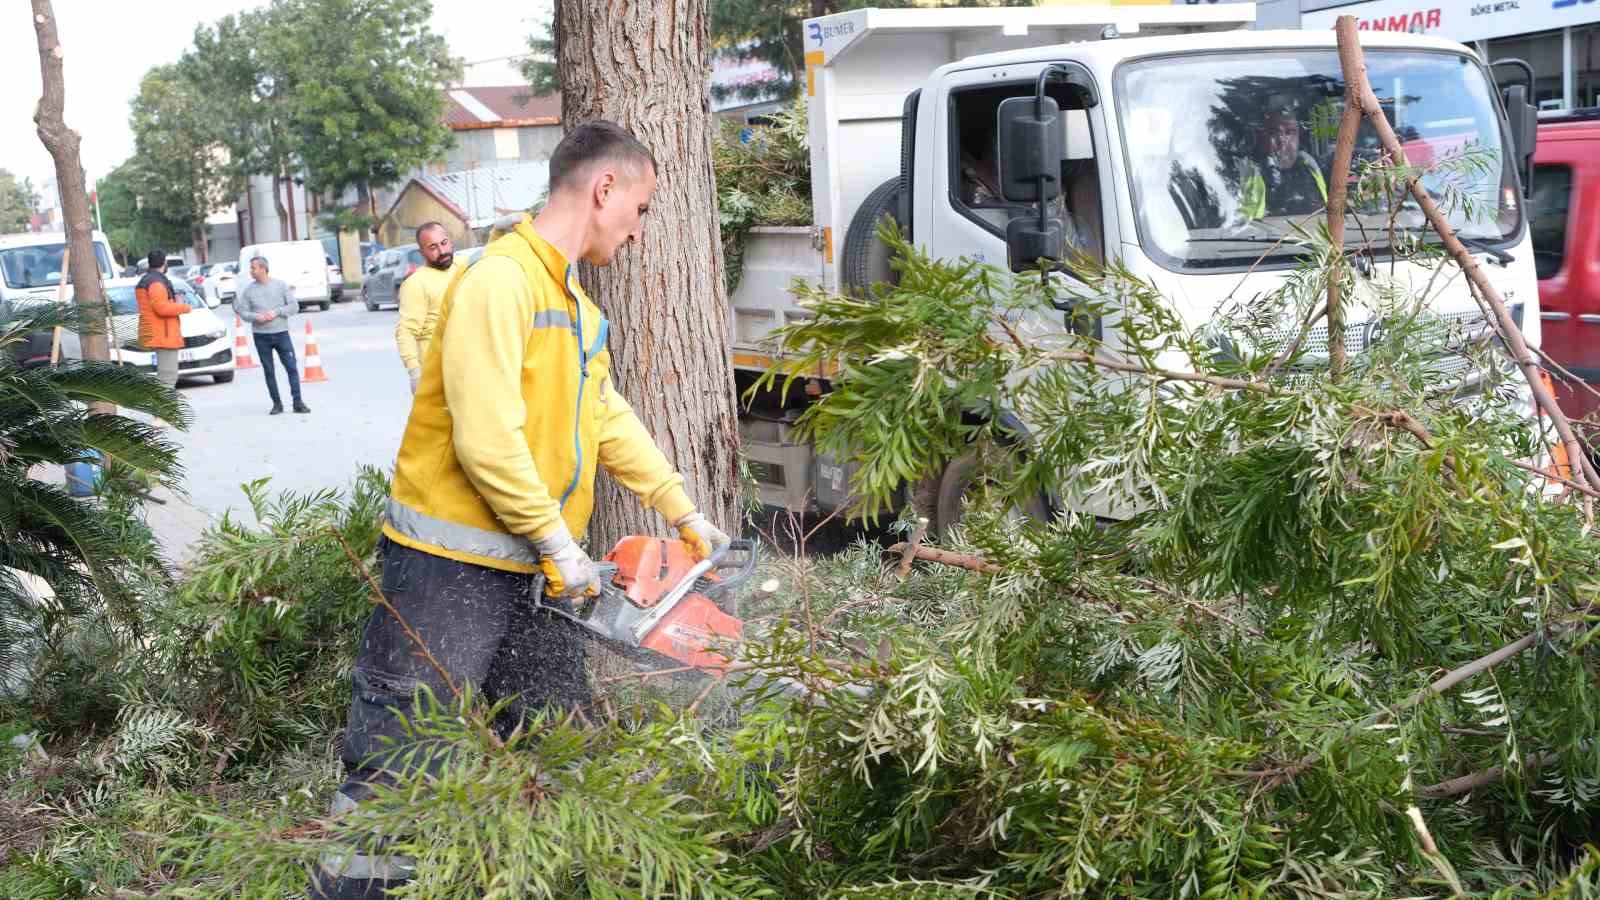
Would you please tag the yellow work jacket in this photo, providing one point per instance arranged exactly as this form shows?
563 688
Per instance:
514 412
420 296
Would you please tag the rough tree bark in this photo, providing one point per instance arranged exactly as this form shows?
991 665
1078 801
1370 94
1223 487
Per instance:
645 66
62 142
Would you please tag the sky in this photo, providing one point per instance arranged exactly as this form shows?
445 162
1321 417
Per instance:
108 47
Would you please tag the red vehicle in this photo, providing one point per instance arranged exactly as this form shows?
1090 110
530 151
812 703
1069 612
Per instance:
1566 252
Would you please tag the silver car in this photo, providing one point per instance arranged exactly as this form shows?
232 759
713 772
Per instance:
385 271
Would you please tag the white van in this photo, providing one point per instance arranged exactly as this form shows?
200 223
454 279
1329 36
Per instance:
302 265
30 264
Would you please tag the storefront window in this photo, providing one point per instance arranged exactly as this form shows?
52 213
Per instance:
1543 52
1586 64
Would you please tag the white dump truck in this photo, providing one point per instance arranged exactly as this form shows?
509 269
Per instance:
1187 151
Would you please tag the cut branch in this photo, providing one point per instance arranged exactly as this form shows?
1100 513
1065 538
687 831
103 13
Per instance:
1338 191
947 558
1350 57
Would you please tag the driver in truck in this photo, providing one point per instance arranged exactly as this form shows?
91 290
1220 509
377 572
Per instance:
1282 179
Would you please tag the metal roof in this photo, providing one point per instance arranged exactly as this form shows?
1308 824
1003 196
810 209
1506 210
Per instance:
479 196
507 106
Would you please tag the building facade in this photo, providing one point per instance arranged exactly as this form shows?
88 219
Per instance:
1559 38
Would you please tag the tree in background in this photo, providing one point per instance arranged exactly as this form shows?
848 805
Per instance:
365 101
179 166
131 227
539 68
665 293
244 63
18 202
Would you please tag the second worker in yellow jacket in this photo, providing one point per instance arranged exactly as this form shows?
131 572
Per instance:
420 296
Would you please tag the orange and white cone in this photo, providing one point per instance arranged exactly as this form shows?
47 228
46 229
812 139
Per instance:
241 348
313 367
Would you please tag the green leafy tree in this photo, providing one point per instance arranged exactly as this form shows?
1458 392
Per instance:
180 164
246 63
134 228
367 90
539 68
18 202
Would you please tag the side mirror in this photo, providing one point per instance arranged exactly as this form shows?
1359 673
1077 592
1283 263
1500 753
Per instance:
1523 118
1033 144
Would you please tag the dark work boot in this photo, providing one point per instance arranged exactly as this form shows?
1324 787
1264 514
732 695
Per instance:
276 410
301 407
328 887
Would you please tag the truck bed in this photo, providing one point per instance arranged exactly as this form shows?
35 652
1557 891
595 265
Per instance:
775 256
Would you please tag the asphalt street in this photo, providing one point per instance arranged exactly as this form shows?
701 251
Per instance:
356 419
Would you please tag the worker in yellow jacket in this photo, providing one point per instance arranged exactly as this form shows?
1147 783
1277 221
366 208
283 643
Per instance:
515 411
420 296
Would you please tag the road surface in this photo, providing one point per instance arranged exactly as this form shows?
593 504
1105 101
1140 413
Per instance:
356 419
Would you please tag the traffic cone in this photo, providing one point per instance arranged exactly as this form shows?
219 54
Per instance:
241 348
313 367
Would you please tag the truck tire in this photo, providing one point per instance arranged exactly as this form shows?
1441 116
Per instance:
954 484
866 259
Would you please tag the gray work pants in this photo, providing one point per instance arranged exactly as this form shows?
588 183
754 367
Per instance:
167 367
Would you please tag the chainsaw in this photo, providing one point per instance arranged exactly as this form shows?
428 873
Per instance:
657 600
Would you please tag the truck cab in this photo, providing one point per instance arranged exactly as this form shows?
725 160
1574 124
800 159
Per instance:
1566 251
1190 157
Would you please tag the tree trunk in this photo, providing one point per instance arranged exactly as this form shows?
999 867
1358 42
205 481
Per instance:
62 142
288 193
645 67
277 202
200 244
365 202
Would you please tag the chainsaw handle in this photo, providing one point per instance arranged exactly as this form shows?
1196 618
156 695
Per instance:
579 607
733 565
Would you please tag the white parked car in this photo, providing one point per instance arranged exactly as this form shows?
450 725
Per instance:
335 280
222 281
207 340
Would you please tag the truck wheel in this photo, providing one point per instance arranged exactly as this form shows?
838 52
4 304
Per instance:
866 259
955 485
323 306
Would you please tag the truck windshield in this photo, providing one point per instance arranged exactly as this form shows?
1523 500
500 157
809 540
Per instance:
1229 153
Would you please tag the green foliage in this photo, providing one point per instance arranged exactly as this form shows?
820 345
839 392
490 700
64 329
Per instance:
539 68
62 558
366 76
1231 689
763 178
134 229
18 202
245 61
177 169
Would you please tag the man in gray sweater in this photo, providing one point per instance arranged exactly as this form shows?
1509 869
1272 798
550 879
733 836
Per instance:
267 303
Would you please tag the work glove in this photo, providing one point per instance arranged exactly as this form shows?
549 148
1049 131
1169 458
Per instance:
569 573
416 378
702 537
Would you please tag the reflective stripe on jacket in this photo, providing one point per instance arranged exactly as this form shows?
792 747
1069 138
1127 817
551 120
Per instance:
159 328
514 413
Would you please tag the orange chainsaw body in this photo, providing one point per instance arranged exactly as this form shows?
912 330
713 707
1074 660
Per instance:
647 568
